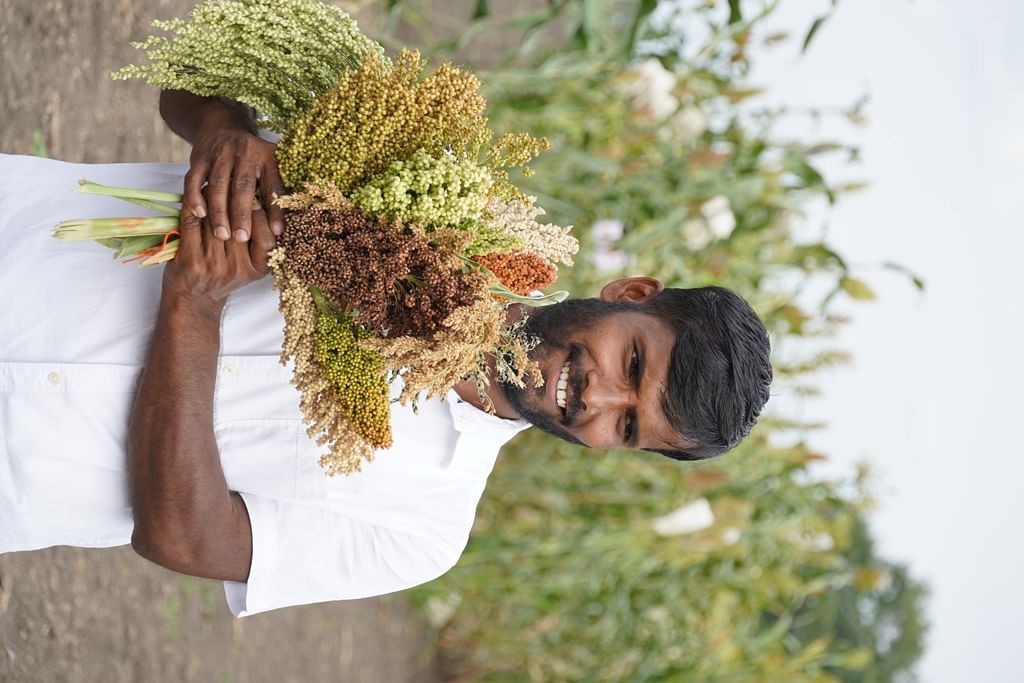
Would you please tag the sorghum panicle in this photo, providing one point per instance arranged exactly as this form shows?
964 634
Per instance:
377 115
356 376
276 57
518 218
521 271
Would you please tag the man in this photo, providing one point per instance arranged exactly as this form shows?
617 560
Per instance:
193 449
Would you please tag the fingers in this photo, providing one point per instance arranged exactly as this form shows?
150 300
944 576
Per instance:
191 228
194 203
263 240
243 191
231 164
271 185
215 251
217 195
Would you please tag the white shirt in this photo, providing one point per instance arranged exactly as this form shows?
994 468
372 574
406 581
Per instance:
74 331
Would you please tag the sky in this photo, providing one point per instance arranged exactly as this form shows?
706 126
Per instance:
932 396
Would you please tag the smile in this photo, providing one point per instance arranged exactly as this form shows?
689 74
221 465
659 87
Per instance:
563 383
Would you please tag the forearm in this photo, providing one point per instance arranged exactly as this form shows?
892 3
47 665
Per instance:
189 115
180 499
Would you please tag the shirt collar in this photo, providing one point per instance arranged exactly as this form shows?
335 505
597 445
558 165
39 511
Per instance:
468 417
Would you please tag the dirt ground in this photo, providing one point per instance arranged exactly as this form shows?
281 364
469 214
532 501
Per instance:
70 614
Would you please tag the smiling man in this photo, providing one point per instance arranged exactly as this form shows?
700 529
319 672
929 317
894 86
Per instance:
149 406
681 372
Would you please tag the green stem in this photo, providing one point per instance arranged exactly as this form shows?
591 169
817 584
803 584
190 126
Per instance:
105 228
156 206
127 193
546 300
319 300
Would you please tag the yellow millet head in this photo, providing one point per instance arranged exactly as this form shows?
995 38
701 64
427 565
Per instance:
516 149
378 114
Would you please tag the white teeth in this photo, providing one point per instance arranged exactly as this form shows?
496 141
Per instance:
563 383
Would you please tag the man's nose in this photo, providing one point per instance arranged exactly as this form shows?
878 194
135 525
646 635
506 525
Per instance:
602 394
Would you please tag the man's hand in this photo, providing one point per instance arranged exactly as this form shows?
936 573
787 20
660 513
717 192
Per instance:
206 270
229 159
231 162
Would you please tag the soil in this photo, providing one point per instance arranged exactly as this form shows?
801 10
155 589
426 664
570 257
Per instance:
72 614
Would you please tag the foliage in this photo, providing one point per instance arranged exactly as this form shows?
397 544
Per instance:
886 620
573 582
654 126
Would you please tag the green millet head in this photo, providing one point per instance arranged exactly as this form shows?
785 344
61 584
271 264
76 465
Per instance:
357 377
438 191
274 56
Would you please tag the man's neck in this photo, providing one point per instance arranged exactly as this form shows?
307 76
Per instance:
467 390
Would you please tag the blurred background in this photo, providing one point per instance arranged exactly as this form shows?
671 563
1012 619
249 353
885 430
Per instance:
852 168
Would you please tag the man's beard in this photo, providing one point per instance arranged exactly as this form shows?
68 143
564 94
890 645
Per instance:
554 325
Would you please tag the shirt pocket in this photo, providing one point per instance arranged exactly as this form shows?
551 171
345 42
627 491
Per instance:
67 412
268 457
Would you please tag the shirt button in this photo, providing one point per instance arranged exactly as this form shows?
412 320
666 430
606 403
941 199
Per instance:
228 369
54 377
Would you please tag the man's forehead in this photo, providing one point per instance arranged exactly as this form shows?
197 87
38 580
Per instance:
639 315
659 432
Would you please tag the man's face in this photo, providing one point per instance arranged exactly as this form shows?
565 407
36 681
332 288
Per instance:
605 371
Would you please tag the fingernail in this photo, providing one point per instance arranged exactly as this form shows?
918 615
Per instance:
241 235
222 232
276 228
200 212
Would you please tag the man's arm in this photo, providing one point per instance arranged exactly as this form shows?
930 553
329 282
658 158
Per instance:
186 518
227 156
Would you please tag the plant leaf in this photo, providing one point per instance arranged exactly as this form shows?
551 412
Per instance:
482 10
857 289
642 11
815 25
735 12
914 277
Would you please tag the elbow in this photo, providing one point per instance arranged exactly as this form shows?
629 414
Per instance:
164 550
149 546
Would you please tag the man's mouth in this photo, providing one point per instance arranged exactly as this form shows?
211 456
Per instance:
561 397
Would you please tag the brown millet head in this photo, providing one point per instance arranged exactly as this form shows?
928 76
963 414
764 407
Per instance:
400 281
520 271
353 258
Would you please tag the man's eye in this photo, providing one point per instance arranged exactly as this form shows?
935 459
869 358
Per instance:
629 424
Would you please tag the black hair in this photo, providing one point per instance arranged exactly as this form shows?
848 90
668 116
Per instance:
719 373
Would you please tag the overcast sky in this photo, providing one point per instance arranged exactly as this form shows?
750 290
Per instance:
932 398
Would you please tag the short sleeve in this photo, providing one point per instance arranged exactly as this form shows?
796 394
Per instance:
303 554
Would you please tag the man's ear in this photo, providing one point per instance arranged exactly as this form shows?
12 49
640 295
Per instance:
634 289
